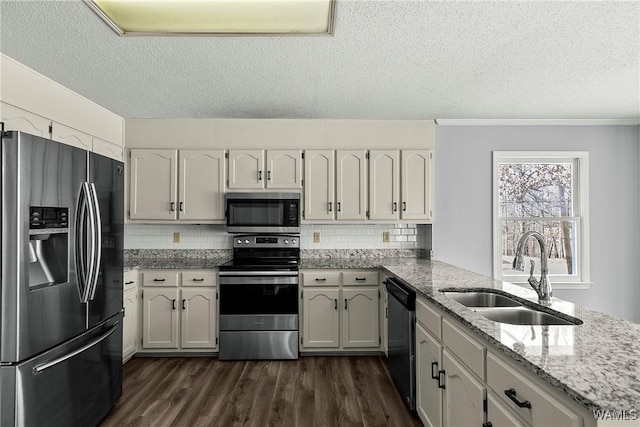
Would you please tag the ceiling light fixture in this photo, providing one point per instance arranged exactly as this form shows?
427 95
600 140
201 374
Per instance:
216 17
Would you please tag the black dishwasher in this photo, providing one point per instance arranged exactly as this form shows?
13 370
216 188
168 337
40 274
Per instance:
402 338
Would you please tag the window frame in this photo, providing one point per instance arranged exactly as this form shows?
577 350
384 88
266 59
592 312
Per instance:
580 194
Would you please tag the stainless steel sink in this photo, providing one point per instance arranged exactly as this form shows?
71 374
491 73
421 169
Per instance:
482 299
503 309
524 316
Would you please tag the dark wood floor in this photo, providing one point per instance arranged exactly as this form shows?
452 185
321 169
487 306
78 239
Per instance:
311 391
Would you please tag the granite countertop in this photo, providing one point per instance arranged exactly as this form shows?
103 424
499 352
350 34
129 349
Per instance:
597 363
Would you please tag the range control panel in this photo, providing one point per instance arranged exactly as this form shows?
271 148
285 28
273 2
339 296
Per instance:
262 241
48 217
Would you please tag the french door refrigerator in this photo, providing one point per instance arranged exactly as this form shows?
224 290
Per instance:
61 294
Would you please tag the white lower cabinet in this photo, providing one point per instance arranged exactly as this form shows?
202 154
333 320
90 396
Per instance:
462 383
130 332
428 391
340 310
178 315
463 397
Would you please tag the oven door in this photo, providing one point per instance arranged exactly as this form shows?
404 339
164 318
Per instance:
261 302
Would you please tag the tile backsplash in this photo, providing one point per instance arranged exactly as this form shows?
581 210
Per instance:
331 236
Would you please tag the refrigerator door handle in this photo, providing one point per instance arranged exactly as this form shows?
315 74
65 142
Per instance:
38 369
97 240
81 250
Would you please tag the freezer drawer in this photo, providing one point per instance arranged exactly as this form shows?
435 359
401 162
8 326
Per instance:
75 384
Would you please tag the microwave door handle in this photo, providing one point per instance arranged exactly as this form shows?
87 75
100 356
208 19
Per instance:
97 239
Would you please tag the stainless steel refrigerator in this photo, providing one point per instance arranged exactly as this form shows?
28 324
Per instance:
61 295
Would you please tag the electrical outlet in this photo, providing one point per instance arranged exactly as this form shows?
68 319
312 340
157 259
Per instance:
176 237
385 236
316 237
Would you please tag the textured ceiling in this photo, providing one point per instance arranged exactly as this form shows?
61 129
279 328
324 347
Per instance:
387 60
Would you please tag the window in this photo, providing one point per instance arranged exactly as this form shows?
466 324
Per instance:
545 192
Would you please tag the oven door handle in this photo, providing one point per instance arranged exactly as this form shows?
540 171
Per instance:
258 273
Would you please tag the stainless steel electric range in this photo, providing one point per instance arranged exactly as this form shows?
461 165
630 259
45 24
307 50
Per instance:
259 298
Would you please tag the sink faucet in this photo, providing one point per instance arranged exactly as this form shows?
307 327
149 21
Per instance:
542 286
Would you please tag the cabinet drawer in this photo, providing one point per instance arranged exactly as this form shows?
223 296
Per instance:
130 279
545 409
199 278
356 278
320 278
160 278
470 352
429 318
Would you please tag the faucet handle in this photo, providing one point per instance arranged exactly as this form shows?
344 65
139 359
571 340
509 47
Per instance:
533 266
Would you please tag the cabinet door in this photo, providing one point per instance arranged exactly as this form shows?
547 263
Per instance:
428 363
246 169
71 136
320 318
351 179
202 185
319 191
160 318
15 118
463 394
417 191
153 184
199 318
384 184
500 416
130 323
360 317
284 169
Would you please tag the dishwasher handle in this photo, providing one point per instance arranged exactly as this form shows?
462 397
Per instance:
402 292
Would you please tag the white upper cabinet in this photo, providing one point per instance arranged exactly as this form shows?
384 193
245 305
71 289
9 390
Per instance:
71 136
319 189
417 193
105 148
284 169
156 179
153 184
247 169
15 118
384 184
202 185
351 184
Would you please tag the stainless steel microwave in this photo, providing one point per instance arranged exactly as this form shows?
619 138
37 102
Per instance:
263 212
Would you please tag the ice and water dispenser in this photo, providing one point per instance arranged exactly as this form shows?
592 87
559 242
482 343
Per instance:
48 245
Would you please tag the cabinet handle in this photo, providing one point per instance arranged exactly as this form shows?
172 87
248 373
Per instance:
395 207
335 301
321 279
184 304
158 280
268 175
173 206
259 175
345 303
511 394
329 206
198 280
434 373
404 206
338 205
128 283
487 424
441 379
173 304
386 312
361 279
180 207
